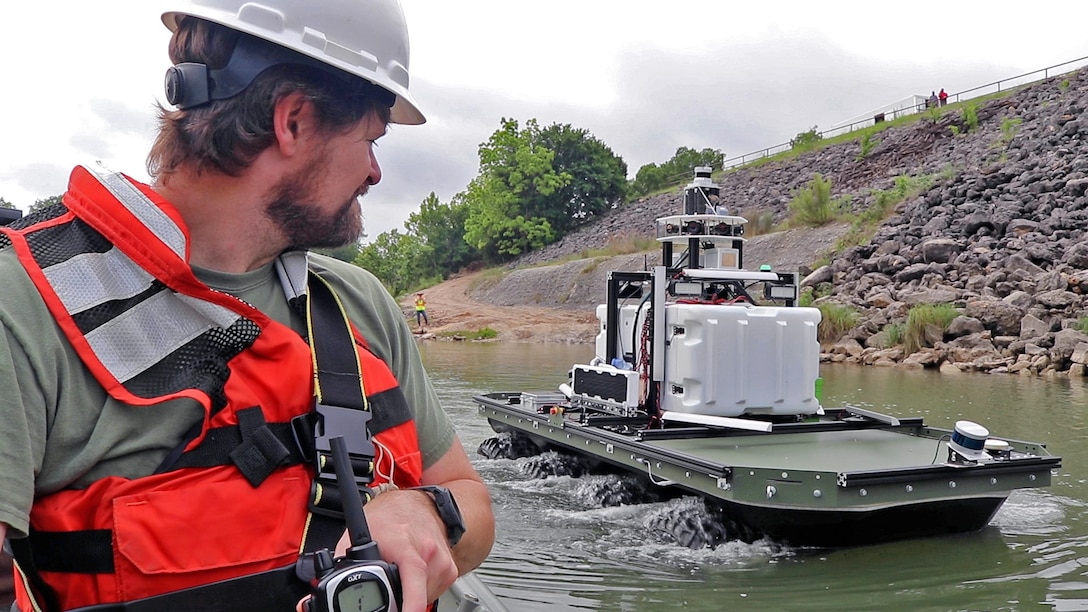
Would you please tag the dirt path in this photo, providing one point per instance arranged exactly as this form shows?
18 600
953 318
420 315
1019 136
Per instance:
450 309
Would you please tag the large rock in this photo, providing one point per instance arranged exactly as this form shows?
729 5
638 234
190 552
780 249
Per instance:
939 250
1057 299
911 272
1019 263
1021 299
975 348
1019 227
1065 342
1032 327
1000 317
928 296
819 275
1080 353
963 326
1077 255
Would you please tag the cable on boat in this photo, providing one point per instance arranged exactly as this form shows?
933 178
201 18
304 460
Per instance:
664 482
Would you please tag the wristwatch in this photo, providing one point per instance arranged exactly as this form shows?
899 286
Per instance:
447 511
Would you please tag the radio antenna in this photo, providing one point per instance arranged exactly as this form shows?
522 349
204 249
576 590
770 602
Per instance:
363 548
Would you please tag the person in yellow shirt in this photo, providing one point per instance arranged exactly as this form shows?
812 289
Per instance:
421 311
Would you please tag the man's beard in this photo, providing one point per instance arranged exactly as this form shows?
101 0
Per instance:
300 221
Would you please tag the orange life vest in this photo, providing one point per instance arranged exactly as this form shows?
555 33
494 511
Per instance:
149 332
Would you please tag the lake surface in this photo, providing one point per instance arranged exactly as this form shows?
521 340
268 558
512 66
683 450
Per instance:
558 550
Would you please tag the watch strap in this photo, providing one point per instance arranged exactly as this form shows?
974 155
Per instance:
448 511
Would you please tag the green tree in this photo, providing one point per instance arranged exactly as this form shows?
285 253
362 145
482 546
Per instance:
648 179
494 225
506 201
45 203
685 160
598 178
347 253
442 228
535 185
806 140
5 204
676 171
395 259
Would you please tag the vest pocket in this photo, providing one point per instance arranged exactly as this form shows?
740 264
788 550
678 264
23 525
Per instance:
207 531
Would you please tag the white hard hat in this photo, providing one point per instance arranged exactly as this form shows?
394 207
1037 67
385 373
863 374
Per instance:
366 38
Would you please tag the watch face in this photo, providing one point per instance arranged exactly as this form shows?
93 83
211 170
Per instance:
362 596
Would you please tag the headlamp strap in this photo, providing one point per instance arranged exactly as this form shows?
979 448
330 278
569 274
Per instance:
190 84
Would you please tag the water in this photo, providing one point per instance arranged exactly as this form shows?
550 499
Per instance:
557 550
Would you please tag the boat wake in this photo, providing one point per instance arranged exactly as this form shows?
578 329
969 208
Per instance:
1032 512
664 516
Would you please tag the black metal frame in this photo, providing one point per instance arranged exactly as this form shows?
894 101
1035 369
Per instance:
9 215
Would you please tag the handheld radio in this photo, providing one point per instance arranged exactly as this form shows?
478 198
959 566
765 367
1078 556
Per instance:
359 581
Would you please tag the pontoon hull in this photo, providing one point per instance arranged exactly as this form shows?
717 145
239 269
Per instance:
842 480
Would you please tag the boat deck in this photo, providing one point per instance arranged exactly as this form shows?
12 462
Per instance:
853 450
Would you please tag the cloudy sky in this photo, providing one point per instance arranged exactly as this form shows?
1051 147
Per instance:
79 82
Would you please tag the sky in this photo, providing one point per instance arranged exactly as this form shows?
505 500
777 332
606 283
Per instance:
78 83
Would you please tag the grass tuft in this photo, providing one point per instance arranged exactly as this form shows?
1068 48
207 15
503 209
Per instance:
921 319
835 321
812 205
480 334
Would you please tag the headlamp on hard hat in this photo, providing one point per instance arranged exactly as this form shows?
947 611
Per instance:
191 84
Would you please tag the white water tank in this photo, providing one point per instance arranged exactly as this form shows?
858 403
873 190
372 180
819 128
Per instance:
729 360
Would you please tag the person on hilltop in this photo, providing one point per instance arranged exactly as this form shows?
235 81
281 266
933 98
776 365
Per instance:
165 428
933 100
943 97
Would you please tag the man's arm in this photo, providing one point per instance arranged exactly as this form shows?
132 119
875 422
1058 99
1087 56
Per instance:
455 472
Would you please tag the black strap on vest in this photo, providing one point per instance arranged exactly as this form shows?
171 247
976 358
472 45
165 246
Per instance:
340 407
261 592
44 594
226 445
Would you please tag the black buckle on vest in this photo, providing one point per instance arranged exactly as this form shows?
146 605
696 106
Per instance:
314 430
313 433
351 423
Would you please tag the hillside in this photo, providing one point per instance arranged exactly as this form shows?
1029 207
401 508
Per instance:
999 233
555 303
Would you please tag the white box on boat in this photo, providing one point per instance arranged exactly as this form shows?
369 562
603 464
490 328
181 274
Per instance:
625 332
538 401
729 360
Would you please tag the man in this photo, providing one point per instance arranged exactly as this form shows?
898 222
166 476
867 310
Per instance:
158 424
421 311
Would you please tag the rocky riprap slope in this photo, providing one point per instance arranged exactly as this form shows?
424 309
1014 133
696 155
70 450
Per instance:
1002 236
1000 233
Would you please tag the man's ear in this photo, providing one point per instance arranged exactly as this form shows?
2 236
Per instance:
292 118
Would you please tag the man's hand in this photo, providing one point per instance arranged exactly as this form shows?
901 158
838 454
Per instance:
409 534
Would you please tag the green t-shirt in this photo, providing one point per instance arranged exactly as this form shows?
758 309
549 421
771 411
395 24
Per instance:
59 428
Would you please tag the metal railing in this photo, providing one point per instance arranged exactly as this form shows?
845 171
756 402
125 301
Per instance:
967 94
